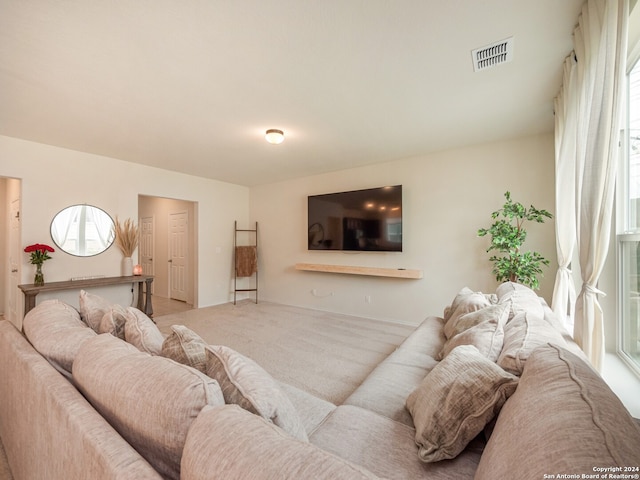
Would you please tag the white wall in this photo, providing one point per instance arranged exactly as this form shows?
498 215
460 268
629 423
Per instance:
54 178
447 197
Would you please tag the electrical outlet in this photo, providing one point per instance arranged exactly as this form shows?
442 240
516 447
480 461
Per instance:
367 298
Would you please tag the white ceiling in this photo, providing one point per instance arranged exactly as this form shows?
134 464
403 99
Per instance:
191 85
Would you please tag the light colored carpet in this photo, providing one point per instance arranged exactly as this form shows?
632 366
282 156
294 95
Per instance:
326 354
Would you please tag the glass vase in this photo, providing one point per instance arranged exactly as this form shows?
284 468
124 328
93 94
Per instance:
38 280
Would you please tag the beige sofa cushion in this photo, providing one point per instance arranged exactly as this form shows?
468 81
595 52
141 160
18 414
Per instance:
455 402
482 328
230 443
312 410
522 335
563 418
151 401
520 298
185 346
386 447
141 332
57 333
248 385
387 387
465 301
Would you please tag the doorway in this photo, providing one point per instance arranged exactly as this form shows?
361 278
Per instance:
168 233
10 241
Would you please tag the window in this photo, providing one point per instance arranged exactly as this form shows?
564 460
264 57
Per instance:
629 240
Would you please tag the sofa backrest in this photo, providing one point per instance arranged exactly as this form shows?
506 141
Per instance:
562 419
43 418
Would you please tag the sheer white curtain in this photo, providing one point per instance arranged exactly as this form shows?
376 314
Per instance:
566 105
600 47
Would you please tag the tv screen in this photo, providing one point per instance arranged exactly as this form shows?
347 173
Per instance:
360 220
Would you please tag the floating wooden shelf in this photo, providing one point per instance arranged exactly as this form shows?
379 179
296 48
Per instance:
370 271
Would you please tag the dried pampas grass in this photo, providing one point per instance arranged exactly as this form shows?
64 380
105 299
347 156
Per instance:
126 236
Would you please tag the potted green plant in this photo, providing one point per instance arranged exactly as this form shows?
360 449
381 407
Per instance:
507 236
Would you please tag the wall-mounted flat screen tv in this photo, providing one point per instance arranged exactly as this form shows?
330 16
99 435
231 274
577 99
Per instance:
359 220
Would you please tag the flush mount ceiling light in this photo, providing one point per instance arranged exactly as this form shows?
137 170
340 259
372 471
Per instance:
274 136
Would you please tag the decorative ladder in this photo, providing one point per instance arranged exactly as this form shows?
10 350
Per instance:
240 253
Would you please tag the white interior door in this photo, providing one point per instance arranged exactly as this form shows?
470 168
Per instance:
14 259
147 246
178 251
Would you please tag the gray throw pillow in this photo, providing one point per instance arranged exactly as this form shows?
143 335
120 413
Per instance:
92 309
522 336
141 332
248 385
482 328
466 301
455 401
185 346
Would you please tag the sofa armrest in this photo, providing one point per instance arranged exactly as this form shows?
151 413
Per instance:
229 442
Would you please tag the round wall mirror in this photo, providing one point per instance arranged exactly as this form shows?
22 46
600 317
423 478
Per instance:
82 230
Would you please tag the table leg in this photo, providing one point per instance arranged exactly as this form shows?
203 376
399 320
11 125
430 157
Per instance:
148 307
29 301
140 305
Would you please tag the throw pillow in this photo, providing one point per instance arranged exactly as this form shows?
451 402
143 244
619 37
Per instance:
466 301
522 335
455 401
483 328
141 332
113 321
57 333
248 385
185 346
520 298
151 401
92 309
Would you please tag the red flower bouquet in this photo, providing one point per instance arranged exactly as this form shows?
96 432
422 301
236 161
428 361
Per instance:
39 253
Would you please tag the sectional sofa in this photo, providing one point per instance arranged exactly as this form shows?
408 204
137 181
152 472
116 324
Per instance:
493 389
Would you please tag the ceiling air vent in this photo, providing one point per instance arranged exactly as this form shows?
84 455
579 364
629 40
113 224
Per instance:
492 55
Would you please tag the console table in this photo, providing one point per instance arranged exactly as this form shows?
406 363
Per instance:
31 291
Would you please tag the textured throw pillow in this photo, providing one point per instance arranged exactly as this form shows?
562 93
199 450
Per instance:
113 321
520 298
92 309
563 418
466 301
141 332
248 385
185 346
56 332
483 328
151 401
455 401
522 335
